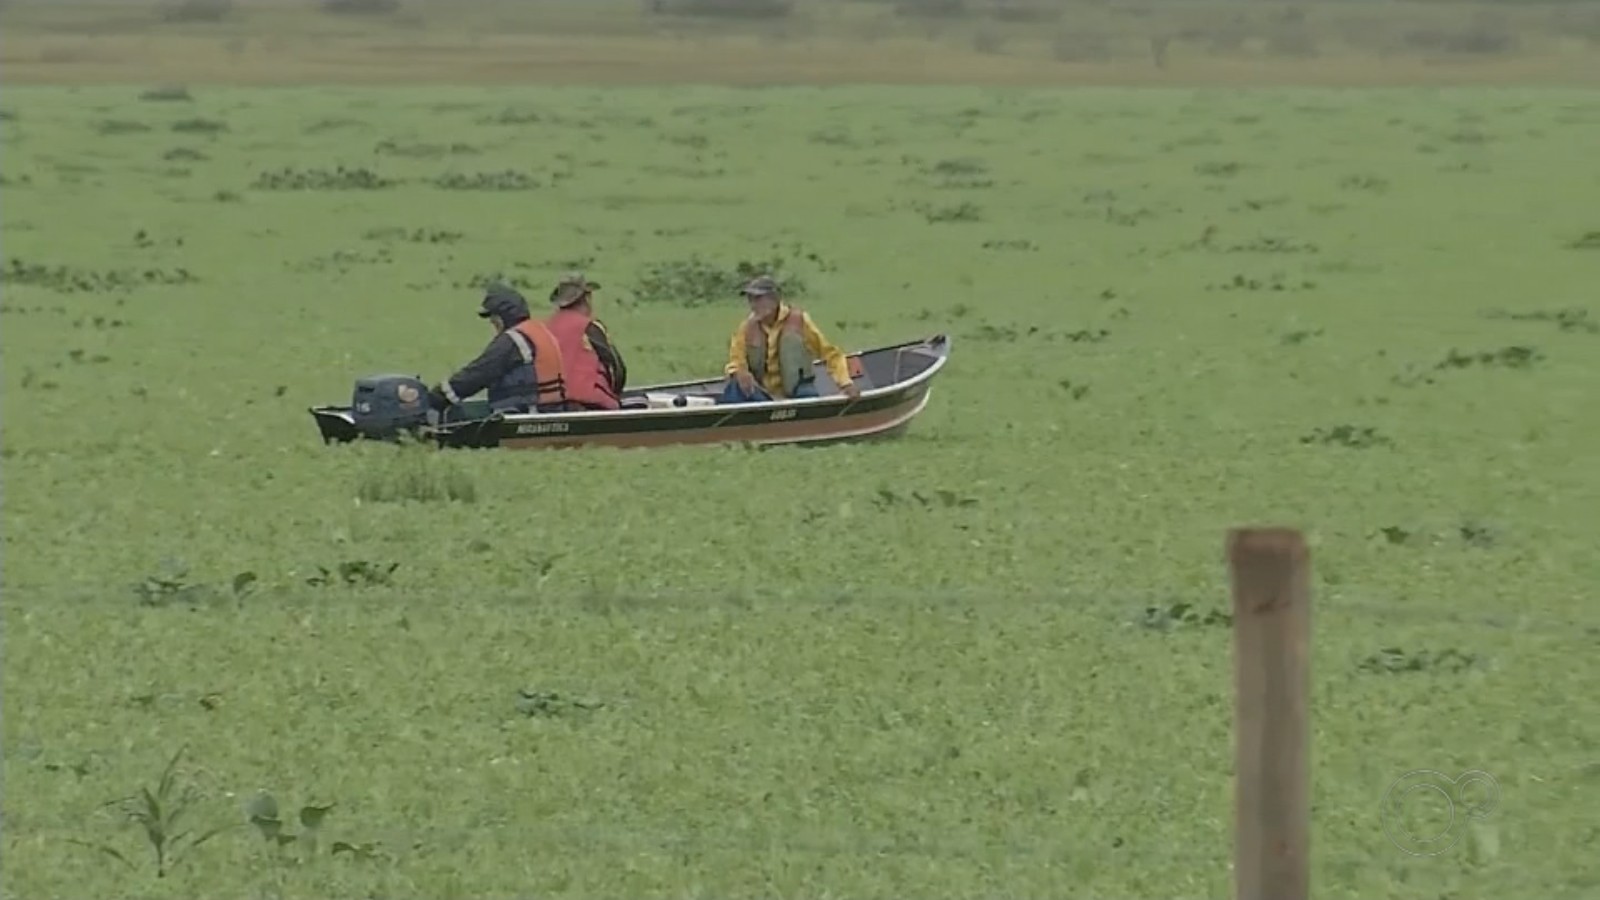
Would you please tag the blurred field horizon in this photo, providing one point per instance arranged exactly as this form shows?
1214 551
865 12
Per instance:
754 42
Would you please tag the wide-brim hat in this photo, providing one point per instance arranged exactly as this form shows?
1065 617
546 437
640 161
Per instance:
572 287
759 287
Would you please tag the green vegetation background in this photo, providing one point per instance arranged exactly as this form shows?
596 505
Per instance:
986 659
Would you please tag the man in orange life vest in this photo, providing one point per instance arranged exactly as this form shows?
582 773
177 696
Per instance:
564 363
771 352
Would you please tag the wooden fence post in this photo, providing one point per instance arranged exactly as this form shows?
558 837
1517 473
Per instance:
1271 578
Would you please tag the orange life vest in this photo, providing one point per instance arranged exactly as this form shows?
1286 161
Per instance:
547 363
565 364
794 364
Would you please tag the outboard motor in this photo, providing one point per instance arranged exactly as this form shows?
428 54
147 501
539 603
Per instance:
385 405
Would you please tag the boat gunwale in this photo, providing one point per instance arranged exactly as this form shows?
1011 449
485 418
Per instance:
940 356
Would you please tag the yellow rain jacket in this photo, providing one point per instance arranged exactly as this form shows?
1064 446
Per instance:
752 340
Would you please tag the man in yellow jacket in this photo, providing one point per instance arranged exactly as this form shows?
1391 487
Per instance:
771 352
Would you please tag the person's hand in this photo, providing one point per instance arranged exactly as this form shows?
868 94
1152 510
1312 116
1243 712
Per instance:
851 391
746 381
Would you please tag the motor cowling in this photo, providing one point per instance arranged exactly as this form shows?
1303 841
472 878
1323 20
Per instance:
385 405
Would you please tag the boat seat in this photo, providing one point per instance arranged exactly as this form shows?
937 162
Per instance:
858 374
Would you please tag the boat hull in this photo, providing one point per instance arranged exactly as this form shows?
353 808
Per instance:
905 373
